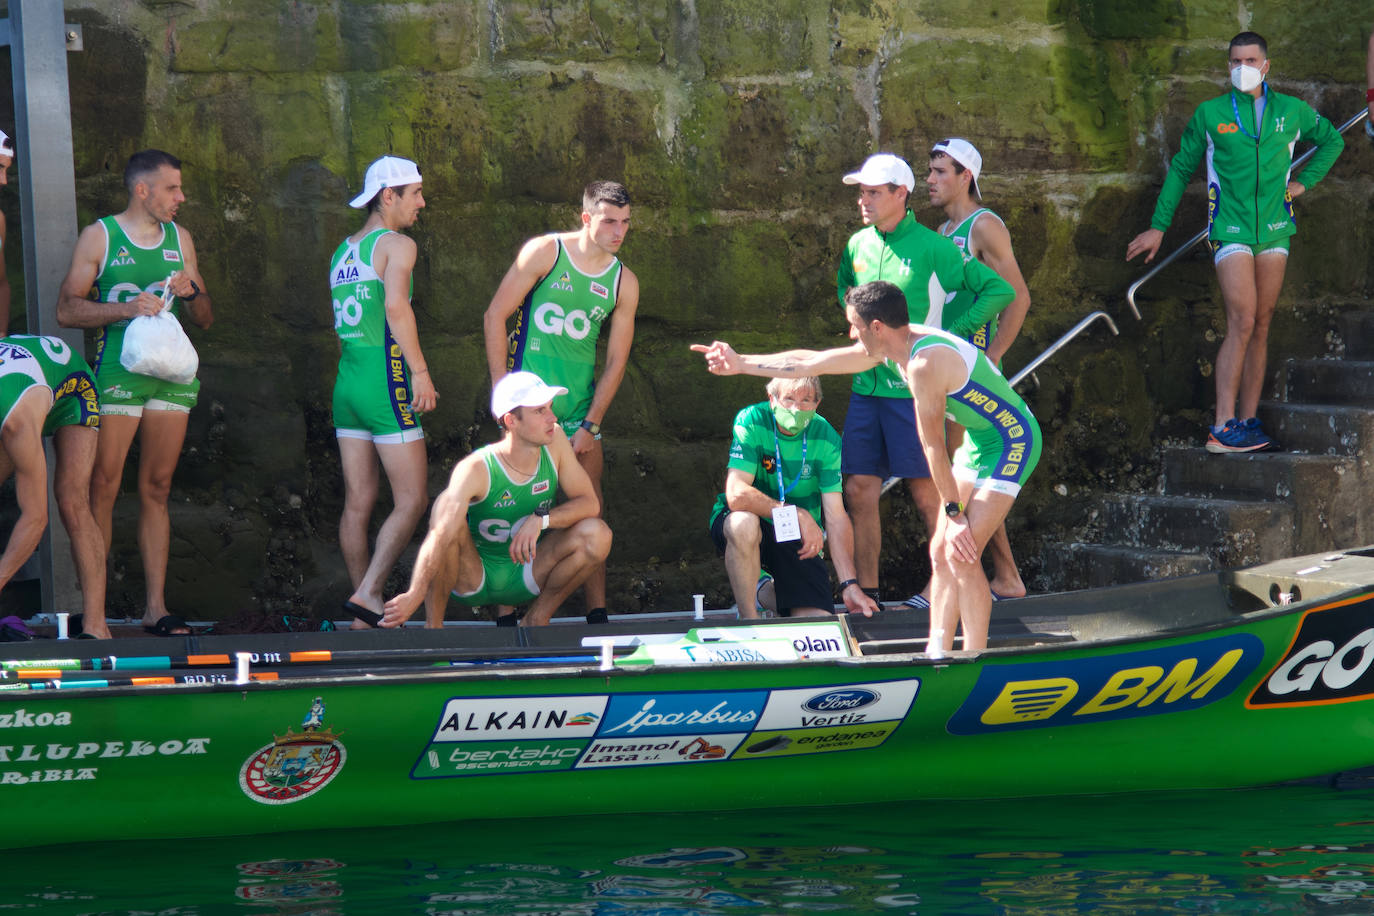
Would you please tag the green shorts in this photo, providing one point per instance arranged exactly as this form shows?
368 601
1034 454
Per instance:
128 394
75 402
503 582
1000 460
372 399
1223 250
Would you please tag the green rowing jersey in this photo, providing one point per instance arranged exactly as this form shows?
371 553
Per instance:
1248 147
928 269
127 270
557 328
490 518
963 300
756 447
359 294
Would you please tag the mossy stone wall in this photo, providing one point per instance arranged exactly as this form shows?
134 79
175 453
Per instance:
731 121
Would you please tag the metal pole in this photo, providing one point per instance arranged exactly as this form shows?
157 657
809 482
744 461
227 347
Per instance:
47 200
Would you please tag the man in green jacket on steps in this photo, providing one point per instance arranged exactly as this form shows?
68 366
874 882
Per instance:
1246 137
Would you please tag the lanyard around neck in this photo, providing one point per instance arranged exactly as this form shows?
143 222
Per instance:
777 455
1235 109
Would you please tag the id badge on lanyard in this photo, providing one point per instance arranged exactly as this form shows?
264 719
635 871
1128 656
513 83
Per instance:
786 522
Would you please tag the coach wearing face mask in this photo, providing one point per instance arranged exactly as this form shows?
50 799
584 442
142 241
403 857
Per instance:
1247 137
782 504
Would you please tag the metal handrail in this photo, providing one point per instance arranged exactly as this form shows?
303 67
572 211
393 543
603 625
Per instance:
1188 245
1031 366
1058 344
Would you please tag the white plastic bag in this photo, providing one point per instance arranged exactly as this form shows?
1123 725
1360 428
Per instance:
157 345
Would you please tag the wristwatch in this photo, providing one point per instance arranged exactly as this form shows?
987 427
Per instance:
194 294
543 513
954 510
593 428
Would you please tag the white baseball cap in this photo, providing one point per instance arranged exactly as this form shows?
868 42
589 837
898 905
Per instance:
6 147
967 155
521 389
386 172
883 168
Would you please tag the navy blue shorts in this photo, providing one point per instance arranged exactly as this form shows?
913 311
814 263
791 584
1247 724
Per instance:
880 438
796 582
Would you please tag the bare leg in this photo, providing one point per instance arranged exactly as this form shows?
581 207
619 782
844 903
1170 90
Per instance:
1006 580
743 534
593 461
112 448
76 448
562 562
159 440
1236 277
960 591
861 494
406 467
926 497
1269 272
358 459
461 570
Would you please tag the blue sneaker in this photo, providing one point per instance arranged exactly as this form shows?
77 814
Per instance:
1256 433
1233 437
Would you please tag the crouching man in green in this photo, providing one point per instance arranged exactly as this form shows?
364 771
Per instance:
782 502
946 375
495 535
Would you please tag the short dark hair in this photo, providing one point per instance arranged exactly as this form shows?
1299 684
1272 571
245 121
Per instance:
959 167
1249 38
501 421
146 162
375 203
880 301
604 192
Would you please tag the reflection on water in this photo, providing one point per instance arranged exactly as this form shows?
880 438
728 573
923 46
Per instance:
1286 850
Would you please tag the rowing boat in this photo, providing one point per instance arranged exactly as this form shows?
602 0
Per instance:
1228 679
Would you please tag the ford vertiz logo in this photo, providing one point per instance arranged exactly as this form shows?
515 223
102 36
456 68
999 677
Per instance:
837 700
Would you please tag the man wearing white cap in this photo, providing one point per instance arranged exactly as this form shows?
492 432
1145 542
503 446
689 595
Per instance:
880 438
952 181
383 383
562 289
119 270
6 160
495 535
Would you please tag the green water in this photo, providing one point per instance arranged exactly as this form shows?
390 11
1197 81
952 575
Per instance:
1303 849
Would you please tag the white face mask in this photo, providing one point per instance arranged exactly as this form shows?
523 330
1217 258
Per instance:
1246 78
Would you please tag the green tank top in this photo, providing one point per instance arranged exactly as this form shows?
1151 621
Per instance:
358 293
986 401
490 518
127 270
963 299
557 328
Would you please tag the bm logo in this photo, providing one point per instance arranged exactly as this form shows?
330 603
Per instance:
1077 691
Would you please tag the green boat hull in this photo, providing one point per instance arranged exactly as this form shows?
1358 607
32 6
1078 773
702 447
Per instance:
1228 697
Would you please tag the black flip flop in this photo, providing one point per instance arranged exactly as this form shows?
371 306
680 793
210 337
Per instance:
165 625
367 616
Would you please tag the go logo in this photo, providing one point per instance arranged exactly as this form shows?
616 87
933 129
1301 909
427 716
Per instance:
348 312
128 292
495 530
551 319
56 349
1232 128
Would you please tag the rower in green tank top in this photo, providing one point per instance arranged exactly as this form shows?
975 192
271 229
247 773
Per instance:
561 290
383 383
952 181
495 535
118 272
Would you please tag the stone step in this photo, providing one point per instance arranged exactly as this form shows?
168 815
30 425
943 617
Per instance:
1330 381
1320 429
1357 333
1078 565
1232 532
1323 491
